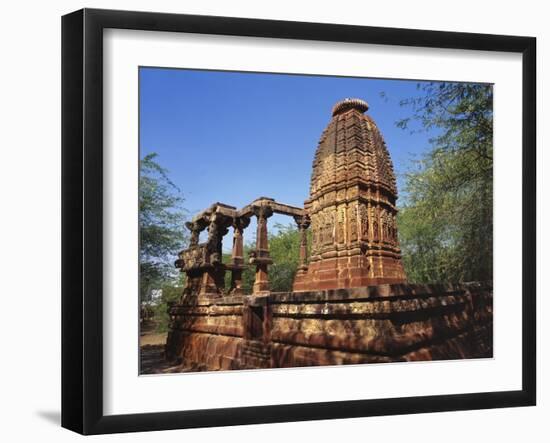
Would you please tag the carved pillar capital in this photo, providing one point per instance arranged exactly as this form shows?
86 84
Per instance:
240 223
217 227
303 223
195 229
262 212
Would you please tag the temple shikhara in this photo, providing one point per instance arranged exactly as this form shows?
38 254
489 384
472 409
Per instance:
350 302
351 206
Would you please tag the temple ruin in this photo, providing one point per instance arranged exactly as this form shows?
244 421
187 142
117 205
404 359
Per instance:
350 302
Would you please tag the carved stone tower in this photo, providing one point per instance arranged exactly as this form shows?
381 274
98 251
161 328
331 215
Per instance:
351 206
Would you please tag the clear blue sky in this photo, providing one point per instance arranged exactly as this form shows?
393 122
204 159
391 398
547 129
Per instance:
232 137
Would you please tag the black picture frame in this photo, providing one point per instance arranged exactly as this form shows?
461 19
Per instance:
82 218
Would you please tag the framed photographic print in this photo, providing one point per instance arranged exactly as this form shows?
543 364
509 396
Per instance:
269 221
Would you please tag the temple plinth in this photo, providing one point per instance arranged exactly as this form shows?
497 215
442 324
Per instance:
352 206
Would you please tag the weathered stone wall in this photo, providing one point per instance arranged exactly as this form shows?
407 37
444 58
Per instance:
207 334
375 324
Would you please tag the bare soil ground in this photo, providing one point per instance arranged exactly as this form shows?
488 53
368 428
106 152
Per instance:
153 339
151 351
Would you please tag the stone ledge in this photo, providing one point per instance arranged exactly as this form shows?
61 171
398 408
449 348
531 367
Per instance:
375 324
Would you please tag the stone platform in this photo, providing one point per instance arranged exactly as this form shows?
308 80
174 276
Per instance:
375 324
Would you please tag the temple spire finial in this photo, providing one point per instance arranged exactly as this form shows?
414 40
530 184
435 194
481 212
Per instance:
350 103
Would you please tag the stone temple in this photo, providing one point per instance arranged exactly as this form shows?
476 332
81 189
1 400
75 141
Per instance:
350 302
352 206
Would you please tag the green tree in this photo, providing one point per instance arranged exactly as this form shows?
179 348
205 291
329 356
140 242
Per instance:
446 220
161 230
170 293
284 249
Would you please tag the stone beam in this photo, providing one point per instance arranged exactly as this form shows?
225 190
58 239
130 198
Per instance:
276 207
216 208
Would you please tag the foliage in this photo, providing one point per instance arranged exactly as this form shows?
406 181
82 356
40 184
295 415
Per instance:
284 249
170 294
446 222
161 232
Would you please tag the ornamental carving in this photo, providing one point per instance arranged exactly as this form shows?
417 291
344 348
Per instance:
364 217
341 220
352 217
352 199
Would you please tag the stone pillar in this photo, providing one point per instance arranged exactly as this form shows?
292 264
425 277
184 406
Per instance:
303 223
213 277
260 257
237 255
300 279
194 277
195 233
